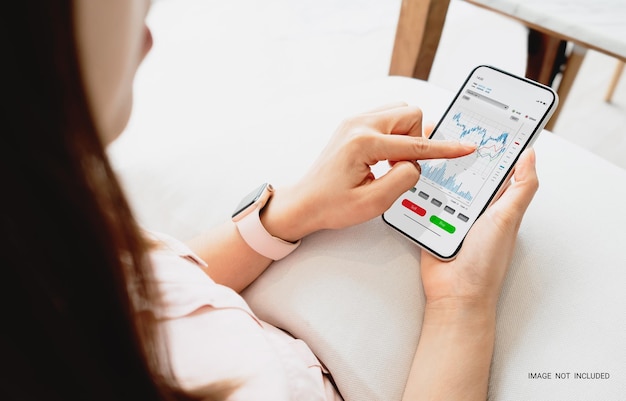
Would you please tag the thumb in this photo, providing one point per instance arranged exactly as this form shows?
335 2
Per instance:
399 179
525 184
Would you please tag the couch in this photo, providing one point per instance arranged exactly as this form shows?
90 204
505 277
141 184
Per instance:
354 295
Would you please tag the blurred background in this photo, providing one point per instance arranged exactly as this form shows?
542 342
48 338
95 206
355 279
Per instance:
259 52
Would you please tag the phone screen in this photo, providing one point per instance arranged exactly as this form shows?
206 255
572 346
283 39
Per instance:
502 114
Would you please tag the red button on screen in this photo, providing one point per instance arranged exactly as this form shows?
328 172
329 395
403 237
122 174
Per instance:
413 207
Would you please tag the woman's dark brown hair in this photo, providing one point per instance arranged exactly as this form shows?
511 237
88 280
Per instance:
71 250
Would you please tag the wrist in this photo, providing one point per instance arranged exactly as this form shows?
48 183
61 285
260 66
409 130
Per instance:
247 218
286 217
460 312
454 352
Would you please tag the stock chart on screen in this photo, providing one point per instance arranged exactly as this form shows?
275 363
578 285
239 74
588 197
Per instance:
463 177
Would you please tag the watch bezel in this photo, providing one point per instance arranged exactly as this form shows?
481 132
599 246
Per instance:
259 196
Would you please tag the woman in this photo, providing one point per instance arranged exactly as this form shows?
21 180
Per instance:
105 311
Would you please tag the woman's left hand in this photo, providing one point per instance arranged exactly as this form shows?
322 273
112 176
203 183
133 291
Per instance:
340 189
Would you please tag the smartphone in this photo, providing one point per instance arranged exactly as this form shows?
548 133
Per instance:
502 114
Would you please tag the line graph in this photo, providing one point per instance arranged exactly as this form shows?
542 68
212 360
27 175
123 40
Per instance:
463 177
490 137
488 146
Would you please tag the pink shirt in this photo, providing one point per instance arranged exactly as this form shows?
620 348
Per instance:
214 336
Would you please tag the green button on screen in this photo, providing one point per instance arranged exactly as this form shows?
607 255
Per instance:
442 224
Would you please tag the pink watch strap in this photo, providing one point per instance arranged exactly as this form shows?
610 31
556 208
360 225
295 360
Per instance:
257 237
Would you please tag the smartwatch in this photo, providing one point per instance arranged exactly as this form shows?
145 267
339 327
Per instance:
246 218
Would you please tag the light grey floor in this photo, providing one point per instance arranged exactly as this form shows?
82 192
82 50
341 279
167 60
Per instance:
271 49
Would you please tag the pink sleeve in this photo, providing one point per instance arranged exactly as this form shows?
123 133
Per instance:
213 336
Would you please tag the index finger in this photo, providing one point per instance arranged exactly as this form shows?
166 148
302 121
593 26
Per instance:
401 147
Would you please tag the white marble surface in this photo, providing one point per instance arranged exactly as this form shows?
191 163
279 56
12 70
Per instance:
597 23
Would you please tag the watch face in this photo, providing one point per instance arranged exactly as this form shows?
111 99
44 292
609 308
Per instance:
250 199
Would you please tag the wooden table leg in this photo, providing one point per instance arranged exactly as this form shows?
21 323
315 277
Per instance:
546 56
417 36
574 61
616 76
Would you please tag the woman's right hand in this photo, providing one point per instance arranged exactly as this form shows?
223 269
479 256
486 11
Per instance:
455 349
475 277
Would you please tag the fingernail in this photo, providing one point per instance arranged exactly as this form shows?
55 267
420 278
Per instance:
418 166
